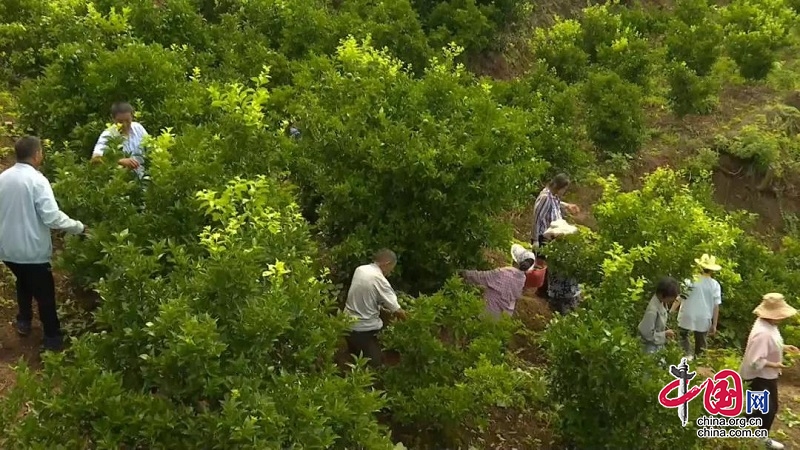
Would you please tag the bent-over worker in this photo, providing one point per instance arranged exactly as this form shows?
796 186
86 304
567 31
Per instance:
503 287
369 291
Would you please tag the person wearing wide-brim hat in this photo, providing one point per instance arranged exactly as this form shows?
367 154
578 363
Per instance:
763 357
699 311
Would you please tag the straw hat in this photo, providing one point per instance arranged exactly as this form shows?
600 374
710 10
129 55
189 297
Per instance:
774 307
519 254
708 262
560 228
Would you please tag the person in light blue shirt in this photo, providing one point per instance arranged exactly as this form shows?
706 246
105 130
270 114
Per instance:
28 211
132 134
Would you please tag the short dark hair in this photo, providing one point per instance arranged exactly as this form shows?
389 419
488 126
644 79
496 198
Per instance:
559 181
27 147
526 265
384 255
121 108
667 287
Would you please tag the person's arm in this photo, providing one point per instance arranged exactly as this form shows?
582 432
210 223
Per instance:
100 146
757 351
570 208
49 212
717 302
647 328
388 298
479 277
675 305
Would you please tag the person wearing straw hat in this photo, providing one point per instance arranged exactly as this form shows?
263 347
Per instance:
503 287
699 312
763 357
563 293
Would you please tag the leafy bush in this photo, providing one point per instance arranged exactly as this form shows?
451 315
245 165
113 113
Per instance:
437 158
690 93
218 352
472 24
754 31
642 236
560 48
664 227
695 36
597 370
629 56
614 118
452 369
79 88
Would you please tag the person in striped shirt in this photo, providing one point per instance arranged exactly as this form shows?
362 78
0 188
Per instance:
132 134
549 208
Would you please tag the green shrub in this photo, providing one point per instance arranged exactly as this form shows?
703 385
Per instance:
452 368
614 118
695 36
629 56
754 31
560 48
232 348
472 24
601 27
690 93
597 370
73 98
436 158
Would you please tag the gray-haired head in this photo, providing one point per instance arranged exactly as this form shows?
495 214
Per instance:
385 259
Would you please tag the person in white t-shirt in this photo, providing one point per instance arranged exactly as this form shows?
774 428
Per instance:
370 292
133 135
699 312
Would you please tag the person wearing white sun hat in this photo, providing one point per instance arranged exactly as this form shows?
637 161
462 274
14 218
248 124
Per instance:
699 311
763 356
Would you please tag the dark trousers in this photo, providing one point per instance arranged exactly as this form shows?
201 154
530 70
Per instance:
366 343
36 281
762 384
699 341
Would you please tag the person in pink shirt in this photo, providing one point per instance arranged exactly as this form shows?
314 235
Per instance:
502 287
763 356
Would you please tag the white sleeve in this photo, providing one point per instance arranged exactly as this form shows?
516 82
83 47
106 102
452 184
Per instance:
49 212
386 295
102 143
717 293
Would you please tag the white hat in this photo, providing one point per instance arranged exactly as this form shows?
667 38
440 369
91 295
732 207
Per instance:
519 254
560 228
773 306
708 262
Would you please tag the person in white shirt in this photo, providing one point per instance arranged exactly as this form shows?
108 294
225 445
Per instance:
653 328
28 211
369 291
763 357
132 134
699 312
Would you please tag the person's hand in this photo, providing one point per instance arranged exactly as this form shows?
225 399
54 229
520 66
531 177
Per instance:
86 231
462 273
669 334
791 349
572 209
712 331
129 163
401 314
97 160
